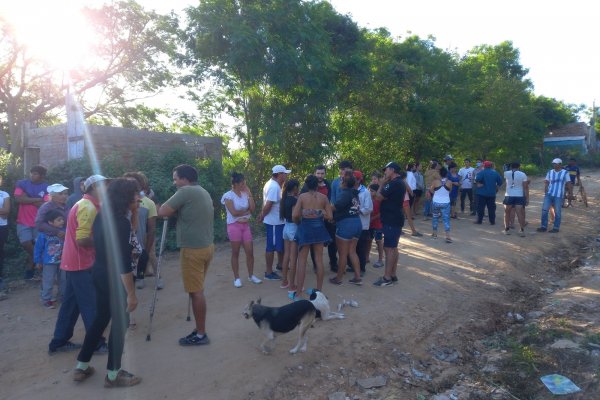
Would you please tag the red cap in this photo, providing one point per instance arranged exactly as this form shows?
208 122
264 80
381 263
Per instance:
358 175
487 164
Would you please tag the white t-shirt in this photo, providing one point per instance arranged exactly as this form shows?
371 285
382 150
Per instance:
411 180
3 197
272 192
514 186
466 177
239 203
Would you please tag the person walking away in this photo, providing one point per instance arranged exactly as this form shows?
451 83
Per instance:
487 182
239 205
391 194
515 198
4 213
30 194
375 227
47 254
114 282
554 190
310 212
78 256
440 190
290 247
193 207
466 186
270 217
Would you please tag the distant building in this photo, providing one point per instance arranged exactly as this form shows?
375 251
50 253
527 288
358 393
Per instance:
577 136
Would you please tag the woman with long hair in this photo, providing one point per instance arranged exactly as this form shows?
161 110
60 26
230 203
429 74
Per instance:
113 279
348 229
289 198
240 205
310 212
440 203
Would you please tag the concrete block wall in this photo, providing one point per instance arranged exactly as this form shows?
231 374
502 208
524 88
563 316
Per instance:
107 140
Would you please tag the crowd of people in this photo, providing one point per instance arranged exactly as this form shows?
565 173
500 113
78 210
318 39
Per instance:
348 214
92 250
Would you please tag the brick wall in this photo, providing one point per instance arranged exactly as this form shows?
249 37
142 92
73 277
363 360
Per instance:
52 142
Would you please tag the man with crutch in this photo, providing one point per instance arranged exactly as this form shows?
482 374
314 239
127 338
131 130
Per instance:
193 207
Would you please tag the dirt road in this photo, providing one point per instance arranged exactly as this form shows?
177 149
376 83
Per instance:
444 298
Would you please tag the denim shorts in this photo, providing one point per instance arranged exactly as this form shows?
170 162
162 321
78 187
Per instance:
348 228
376 234
289 231
391 235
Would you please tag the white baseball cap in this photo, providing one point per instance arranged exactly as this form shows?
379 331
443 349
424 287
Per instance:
91 180
280 168
56 188
557 161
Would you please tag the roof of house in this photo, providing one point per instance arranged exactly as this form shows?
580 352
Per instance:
573 129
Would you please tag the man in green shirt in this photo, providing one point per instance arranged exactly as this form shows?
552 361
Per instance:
193 207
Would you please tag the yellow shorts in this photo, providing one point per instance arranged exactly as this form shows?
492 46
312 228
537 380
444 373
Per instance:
194 264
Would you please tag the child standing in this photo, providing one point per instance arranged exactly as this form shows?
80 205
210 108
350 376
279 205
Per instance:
47 255
376 228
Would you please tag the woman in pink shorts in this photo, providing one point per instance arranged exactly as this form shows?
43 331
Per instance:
240 205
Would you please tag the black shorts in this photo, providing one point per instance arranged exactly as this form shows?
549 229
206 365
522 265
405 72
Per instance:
514 201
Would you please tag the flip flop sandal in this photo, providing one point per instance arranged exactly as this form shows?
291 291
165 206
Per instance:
334 281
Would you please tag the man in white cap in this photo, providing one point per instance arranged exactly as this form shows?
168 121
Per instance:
269 215
58 201
78 256
554 188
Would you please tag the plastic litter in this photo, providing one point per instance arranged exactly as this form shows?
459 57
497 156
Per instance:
558 384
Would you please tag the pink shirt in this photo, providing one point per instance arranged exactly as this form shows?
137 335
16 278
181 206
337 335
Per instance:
79 226
27 212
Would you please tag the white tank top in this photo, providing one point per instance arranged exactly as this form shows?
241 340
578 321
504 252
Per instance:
442 194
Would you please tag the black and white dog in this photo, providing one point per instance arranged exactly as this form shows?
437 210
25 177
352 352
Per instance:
278 320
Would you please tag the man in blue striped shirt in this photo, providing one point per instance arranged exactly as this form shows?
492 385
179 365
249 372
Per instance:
554 188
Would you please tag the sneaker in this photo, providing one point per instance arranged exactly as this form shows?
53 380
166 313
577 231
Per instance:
522 233
541 229
357 282
80 375
254 279
102 349
49 304
284 285
333 280
123 379
416 234
237 283
553 230
278 267
273 276
434 235
378 264
160 284
506 231
381 282
140 284
292 295
448 240
394 279
194 340
69 346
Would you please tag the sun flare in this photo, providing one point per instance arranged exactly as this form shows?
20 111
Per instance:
55 32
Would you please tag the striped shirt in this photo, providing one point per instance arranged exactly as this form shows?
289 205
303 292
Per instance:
556 182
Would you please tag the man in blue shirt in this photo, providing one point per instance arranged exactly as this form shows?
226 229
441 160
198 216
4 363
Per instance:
488 181
554 188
